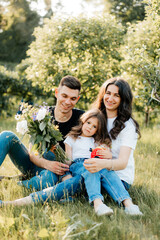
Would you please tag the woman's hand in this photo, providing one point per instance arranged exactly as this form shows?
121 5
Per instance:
104 153
95 164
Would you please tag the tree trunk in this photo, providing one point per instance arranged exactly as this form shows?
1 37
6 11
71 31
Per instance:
147 117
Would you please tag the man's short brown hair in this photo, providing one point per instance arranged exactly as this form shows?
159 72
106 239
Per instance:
70 82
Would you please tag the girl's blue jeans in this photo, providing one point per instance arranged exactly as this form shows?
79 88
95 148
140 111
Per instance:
109 179
41 178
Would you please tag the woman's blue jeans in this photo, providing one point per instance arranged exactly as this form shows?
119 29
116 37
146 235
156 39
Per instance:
11 145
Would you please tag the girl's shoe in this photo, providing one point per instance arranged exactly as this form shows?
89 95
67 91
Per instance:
102 209
133 210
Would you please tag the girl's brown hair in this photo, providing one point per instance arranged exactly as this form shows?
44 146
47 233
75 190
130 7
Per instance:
101 136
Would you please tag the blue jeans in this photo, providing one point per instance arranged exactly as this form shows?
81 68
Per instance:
110 181
92 180
60 190
11 145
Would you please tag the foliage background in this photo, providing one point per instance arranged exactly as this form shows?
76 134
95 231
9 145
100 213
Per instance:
124 41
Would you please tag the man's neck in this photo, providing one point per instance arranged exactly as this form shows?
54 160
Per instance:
60 116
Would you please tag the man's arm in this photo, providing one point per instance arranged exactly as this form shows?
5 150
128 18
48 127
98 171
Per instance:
53 166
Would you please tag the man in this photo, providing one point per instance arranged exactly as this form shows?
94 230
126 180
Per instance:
46 168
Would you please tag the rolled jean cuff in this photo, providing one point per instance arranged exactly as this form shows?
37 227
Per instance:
91 199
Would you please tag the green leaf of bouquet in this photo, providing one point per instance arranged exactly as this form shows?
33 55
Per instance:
42 126
43 146
44 132
39 139
47 138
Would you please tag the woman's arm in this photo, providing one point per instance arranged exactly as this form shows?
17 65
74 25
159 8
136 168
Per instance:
105 153
95 164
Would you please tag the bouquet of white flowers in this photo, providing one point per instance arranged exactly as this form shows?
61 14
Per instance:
44 135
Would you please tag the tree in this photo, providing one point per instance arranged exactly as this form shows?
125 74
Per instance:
14 86
85 48
142 59
17 23
126 10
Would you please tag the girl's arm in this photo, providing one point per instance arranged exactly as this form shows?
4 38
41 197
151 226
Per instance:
68 150
95 165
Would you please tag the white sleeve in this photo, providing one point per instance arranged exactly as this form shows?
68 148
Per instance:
129 136
69 141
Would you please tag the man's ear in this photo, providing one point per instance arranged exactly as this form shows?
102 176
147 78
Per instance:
78 98
56 92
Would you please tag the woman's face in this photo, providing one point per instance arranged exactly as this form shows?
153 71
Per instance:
90 127
112 98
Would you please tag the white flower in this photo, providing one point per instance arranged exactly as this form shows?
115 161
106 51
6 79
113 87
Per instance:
17 117
22 127
24 110
41 114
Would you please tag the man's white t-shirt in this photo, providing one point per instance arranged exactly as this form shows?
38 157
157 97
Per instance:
127 137
80 146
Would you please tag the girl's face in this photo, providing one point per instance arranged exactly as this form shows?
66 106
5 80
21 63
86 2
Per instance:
90 127
112 98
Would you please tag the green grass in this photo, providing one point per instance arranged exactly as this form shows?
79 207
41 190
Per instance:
77 220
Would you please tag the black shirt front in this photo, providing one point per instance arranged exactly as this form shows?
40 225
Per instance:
65 127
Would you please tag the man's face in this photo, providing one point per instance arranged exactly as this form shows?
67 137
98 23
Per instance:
66 98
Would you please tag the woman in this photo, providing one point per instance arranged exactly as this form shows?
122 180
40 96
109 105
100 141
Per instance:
115 101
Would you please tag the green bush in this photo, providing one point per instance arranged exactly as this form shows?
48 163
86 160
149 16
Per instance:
141 54
85 48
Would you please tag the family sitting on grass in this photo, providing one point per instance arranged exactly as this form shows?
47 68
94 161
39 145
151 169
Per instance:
108 124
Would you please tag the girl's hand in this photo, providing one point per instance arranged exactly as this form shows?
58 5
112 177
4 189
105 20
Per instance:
105 153
94 164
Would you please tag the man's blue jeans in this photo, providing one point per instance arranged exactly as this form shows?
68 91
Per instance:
60 190
11 145
109 179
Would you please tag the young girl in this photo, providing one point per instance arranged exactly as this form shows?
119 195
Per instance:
90 132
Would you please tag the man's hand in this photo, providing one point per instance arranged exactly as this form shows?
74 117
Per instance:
56 167
94 164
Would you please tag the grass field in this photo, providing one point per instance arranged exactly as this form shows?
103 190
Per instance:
77 220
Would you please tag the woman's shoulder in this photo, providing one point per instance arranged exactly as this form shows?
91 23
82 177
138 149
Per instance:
130 127
130 123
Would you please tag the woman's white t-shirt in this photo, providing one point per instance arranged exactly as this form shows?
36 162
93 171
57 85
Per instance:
127 137
80 146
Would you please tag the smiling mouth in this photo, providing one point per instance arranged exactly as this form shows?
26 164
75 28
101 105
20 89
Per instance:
66 107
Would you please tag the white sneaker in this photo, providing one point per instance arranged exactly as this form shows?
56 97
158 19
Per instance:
102 209
133 210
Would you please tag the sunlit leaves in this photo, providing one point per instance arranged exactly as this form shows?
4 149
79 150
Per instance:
84 48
